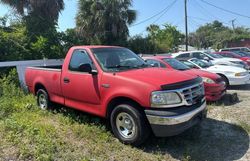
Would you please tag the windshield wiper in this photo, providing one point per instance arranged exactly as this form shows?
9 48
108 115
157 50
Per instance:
142 65
183 69
119 66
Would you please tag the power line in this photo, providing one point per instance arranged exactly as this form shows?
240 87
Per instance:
159 13
202 9
170 6
225 10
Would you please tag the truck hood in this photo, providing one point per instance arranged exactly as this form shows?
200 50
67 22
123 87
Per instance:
225 68
156 76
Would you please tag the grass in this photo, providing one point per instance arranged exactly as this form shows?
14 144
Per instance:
27 133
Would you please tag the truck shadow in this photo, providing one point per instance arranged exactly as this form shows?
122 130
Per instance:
212 141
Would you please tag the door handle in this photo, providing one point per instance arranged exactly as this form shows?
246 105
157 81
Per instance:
66 80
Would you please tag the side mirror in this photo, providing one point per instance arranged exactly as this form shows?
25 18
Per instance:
207 59
87 69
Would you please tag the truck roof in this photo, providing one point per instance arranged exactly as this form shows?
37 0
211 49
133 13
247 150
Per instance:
95 46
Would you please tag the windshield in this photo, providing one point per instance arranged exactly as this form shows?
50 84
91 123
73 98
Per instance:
200 63
117 59
176 64
214 55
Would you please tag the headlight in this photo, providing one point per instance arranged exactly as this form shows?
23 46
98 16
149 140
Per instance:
208 80
241 74
164 98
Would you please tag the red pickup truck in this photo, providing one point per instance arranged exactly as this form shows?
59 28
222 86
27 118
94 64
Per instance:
114 83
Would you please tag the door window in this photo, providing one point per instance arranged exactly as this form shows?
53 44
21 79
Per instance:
185 55
79 57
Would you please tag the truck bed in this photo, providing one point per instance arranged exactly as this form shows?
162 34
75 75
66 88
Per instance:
54 67
49 77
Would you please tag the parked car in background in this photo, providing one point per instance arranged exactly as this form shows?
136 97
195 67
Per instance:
211 58
230 74
114 83
245 49
237 55
215 87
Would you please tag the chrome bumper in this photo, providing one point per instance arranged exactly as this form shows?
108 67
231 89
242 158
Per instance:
173 120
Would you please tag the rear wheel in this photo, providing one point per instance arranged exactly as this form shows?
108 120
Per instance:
129 124
43 99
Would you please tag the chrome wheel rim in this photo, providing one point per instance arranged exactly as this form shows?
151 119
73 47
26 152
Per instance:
42 101
125 125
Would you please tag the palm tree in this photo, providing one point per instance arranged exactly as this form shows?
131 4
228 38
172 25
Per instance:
39 15
105 21
46 8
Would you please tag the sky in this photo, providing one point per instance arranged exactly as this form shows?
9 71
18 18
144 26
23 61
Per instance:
199 13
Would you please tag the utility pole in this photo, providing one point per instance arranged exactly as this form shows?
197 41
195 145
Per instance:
233 23
186 25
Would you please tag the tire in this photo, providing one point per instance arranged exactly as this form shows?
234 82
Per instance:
224 78
43 99
129 125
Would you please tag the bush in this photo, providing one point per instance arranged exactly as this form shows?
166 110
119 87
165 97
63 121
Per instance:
12 98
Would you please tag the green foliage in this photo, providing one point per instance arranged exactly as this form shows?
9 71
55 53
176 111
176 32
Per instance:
104 21
142 45
166 39
216 35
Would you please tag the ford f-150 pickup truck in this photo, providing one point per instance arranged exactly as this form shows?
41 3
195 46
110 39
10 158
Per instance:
114 83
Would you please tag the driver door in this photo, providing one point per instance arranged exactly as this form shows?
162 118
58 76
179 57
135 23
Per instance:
80 88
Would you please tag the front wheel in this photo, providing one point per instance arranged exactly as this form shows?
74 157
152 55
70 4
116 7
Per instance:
224 78
129 124
43 99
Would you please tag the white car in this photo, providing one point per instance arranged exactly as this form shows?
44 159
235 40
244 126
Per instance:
214 59
230 74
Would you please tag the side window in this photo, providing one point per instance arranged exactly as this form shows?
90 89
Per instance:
197 55
79 57
185 55
156 63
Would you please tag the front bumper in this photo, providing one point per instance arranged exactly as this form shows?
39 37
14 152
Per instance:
171 122
214 92
239 80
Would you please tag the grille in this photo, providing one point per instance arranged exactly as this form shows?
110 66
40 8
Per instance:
193 94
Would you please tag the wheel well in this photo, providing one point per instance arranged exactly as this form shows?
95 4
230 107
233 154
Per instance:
118 100
222 75
39 86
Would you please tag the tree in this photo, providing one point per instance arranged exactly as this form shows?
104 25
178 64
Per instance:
141 45
104 21
40 16
166 39
216 35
